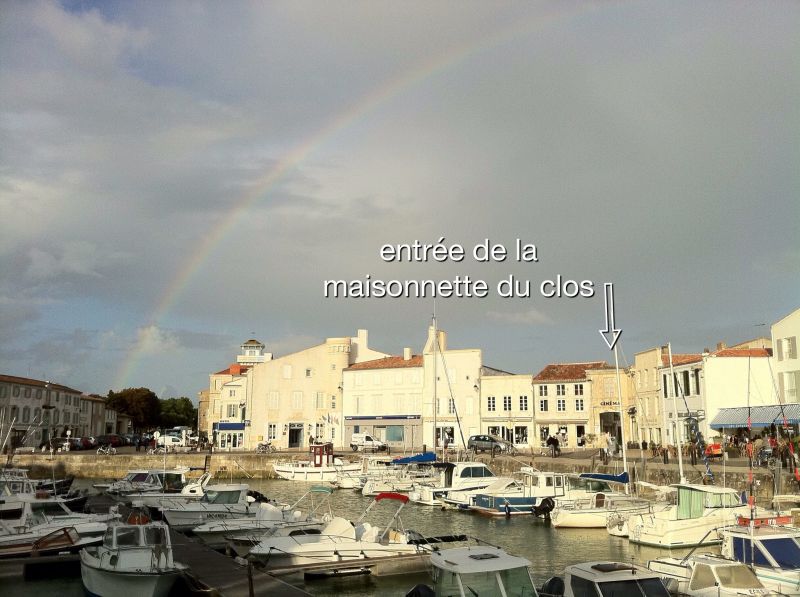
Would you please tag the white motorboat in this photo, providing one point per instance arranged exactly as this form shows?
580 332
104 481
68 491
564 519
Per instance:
219 502
134 559
342 541
477 570
773 551
322 466
453 476
14 483
149 480
191 492
605 578
659 496
707 575
56 541
269 520
699 511
594 512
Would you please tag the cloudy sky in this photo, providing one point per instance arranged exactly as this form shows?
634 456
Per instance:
177 177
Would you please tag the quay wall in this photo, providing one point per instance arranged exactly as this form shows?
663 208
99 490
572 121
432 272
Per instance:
243 465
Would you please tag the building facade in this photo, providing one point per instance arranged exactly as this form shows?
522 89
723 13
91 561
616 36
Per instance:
787 364
507 406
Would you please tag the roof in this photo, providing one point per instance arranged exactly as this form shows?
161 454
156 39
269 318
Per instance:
568 371
24 381
229 370
252 342
388 363
477 559
487 371
681 359
743 352
760 416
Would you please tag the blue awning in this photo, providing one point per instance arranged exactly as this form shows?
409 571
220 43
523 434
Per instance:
760 416
229 426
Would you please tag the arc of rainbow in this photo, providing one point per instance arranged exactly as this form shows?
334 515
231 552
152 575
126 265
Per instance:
366 105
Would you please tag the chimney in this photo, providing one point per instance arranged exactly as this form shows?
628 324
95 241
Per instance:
721 346
236 369
665 350
406 354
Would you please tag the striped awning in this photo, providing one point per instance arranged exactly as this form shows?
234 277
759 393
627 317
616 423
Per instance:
760 416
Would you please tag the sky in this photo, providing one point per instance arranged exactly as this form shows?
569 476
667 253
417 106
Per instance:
178 177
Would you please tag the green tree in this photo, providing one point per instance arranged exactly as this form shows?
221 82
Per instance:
140 404
178 411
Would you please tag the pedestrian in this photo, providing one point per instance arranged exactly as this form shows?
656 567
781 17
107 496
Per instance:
138 446
508 509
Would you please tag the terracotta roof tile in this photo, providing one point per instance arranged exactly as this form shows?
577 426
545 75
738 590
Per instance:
24 381
681 359
231 370
743 352
568 371
388 363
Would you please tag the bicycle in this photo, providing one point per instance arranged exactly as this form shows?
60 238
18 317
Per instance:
266 448
158 450
106 450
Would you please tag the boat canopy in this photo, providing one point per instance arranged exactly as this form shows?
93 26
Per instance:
759 416
416 458
621 478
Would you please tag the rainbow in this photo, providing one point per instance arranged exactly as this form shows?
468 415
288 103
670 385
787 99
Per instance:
357 111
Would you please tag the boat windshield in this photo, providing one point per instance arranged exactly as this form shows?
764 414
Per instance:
592 485
648 587
486 583
221 497
155 535
785 550
738 577
138 478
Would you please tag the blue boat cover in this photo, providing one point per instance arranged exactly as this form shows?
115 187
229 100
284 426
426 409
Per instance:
621 478
416 458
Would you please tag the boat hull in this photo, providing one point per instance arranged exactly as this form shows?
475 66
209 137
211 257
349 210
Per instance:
311 474
105 583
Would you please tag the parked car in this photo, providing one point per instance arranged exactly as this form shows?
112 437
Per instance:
87 443
490 443
110 439
364 441
170 441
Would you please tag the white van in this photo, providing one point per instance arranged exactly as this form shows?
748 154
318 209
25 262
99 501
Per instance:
366 442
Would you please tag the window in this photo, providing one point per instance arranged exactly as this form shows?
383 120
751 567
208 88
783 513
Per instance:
394 433
27 392
272 401
15 391
3 391
579 389
542 390
319 432
523 403
506 403
56 415
231 410
543 406
520 435
490 404
451 406
697 382
791 347
687 389
561 389
287 372
308 372
26 414
664 389
579 404
297 399
231 393
333 432
320 400
333 401
561 405
58 397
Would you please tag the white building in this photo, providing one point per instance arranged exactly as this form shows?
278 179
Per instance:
383 397
787 364
507 406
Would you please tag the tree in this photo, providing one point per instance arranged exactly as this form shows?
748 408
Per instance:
140 404
178 411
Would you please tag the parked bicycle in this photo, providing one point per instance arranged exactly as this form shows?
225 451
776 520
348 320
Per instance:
158 450
265 448
107 450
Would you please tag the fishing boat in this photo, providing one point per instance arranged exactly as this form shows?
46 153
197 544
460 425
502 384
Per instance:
477 570
699 511
772 550
342 541
269 520
604 578
453 476
322 466
191 492
61 540
149 480
707 575
219 502
134 559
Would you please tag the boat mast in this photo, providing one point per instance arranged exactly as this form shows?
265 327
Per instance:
435 383
675 410
621 420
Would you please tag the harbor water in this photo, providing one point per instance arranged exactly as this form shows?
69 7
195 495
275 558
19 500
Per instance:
549 550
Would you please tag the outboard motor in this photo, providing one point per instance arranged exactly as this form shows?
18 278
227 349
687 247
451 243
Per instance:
553 586
544 507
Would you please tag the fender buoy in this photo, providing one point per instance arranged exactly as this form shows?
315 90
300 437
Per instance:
138 518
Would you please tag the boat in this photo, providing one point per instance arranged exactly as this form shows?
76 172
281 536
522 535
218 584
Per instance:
707 575
219 502
453 476
343 541
354 479
593 510
322 466
477 570
149 480
58 541
693 520
14 483
191 492
399 477
773 551
269 520
604 578
134 559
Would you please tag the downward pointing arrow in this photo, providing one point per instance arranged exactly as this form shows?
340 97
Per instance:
611 334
